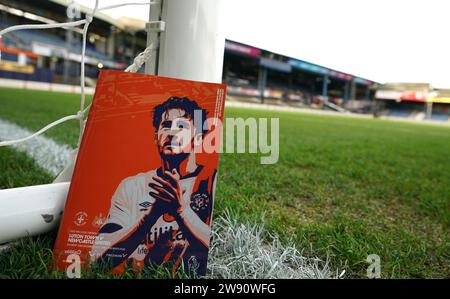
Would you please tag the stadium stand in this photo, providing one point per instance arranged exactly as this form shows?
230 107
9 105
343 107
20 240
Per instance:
56 52
257 75
252 74
413 101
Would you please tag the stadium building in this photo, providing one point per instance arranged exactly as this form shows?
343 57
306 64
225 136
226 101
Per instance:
53 55
252 74
257 75
413 100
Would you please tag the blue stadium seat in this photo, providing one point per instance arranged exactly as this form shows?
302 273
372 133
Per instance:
399 113
439 116
42 36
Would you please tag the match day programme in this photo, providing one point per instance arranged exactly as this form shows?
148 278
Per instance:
211 148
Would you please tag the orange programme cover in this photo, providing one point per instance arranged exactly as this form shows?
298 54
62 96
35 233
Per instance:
142 191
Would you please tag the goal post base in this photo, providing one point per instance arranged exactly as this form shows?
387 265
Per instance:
29 211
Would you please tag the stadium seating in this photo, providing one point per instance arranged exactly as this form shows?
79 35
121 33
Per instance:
439 116
27 37
399 113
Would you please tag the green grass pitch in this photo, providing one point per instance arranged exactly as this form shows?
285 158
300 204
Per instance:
343 188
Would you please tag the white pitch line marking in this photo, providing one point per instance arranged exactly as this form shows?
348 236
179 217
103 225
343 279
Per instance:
48 154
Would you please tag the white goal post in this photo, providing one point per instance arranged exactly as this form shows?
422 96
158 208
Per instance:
187 44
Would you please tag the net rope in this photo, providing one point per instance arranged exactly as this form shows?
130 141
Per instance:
80 115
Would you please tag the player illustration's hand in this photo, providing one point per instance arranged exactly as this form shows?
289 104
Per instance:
167 191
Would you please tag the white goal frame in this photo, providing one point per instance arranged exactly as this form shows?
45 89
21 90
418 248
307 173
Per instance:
194 25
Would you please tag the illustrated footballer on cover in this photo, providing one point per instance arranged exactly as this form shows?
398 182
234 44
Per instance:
142 191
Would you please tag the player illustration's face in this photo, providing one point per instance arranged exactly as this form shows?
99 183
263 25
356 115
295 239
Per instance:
176 133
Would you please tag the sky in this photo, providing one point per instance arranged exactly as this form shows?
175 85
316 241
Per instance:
381 40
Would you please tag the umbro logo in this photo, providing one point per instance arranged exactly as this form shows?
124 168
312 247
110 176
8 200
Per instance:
145 204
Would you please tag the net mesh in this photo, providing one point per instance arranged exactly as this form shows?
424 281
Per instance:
80 115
